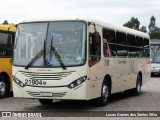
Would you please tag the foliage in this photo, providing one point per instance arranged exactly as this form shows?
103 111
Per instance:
5 22
152 24
143 29
133 23
154 31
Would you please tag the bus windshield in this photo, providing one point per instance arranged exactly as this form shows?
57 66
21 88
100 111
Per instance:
155 53
63 39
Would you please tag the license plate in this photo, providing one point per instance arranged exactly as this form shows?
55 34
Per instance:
47 94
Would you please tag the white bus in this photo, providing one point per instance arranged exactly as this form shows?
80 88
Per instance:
155 56
78 59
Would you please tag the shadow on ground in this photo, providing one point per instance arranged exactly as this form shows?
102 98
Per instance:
70 105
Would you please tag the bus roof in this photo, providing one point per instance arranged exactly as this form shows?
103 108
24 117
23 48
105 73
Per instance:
11 28
98 22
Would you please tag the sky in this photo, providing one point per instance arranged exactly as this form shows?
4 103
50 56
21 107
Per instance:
114 11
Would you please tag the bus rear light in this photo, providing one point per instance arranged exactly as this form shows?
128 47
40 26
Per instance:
18 82
77 82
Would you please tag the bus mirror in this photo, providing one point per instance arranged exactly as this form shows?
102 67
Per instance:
96 43
96 38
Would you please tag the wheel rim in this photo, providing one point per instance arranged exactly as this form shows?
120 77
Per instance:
105 92
2 87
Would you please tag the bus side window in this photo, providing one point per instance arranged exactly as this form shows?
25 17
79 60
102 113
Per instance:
9 40
146 46
9 44
109 37
113 49
106 50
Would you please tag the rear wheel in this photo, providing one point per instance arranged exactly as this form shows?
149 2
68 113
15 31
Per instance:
105 94
135 91
4 87
45 101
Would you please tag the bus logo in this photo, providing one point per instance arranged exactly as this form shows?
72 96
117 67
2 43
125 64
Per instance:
6 114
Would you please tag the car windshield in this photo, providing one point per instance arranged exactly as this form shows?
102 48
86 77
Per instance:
62 42
155 53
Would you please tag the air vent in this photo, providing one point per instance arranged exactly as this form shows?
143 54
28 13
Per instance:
46 76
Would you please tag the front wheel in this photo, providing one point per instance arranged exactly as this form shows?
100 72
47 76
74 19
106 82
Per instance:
45 101
4 88
105 94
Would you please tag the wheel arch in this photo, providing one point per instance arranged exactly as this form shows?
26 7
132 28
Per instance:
108 79
4 74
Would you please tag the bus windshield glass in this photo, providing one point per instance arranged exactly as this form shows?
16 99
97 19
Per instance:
155 53
62 42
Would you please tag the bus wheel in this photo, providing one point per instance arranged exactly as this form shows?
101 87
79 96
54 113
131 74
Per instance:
45 101
4 88
105 94
136 91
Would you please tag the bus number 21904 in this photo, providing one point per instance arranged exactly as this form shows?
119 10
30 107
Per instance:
33 82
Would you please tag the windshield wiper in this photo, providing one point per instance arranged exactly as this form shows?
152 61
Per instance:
35 59
57 55
37 56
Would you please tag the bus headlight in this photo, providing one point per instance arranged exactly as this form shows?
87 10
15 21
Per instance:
18 82
77 82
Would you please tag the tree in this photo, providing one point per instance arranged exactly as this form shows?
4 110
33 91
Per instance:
5 22
154 31
143 29
152 25
133 23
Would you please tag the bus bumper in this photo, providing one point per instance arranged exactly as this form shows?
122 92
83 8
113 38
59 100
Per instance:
61 93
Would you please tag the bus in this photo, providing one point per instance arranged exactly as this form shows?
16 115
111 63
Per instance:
155 56
78 59
7 34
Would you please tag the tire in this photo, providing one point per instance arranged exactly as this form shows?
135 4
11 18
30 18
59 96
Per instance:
4 87
137 90
105 94
45 101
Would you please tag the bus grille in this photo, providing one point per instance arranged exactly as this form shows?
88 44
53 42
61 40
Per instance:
37 94
46 76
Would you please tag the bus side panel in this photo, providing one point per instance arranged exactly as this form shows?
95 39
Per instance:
146 71
114 68
95 79
131 71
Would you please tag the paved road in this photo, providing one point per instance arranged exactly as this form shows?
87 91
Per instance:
149 100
